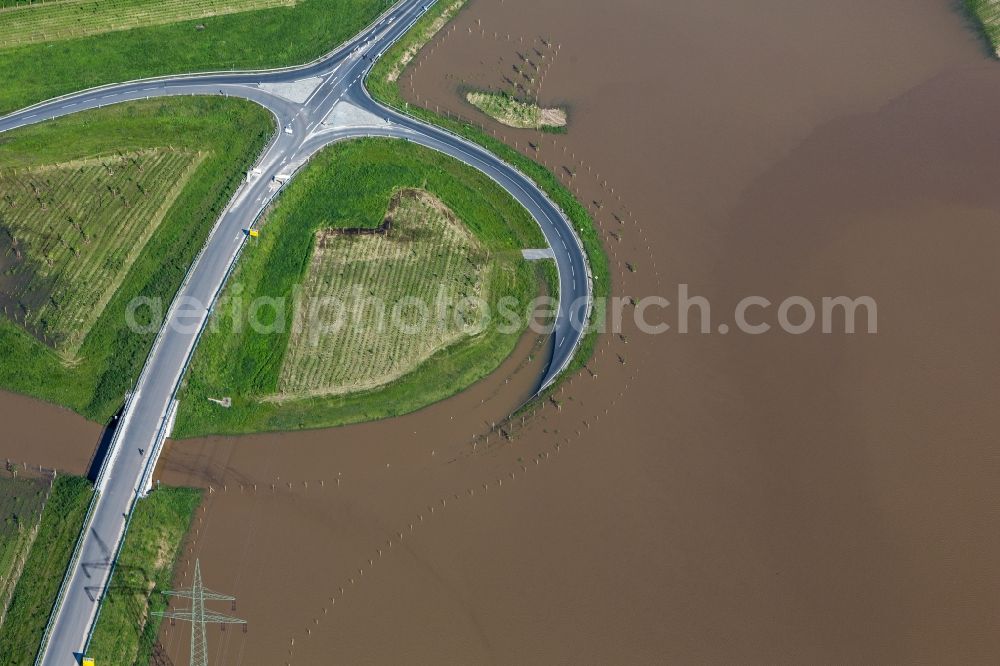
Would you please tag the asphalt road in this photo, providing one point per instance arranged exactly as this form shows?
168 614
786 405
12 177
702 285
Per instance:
321 103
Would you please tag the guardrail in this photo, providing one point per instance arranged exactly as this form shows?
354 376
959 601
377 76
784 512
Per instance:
123 422
66 575
150 466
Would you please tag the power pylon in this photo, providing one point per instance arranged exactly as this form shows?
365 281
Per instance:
198 616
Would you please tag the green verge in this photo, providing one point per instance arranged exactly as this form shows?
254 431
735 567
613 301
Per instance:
277 37
38 587
21 503
387 91
126 631
986 14
232 132
347 185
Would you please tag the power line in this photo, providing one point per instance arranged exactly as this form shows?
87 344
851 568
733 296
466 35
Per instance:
198 616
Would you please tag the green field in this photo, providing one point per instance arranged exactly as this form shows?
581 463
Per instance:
56 20
513 112
350 185
289 34
21 502
987 13
98 208
38 586
383 84
126 632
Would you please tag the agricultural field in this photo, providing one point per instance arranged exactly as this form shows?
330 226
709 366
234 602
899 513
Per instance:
54 20
74 230
160 37
356 185
987 13
126 630
99 208
513 112
21 502
422 254
38 586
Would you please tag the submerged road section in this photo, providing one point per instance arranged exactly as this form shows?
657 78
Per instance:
315 105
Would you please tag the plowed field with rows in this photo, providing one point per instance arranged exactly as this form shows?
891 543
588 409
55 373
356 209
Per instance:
370 303
76 228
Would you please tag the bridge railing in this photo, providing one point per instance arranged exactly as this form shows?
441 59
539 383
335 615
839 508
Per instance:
146 478
112 450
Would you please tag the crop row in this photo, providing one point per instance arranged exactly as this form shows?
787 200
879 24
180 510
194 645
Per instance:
79 228
426 256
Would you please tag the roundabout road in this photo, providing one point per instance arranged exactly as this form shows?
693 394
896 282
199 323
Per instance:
319 103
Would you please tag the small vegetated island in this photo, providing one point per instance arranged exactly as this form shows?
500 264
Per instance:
513 112
97 209
368 285
987 12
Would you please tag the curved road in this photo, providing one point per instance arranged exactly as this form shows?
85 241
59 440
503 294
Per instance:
319 103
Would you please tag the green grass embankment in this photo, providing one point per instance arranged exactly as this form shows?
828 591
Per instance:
986 13
126 631
38 586
21 502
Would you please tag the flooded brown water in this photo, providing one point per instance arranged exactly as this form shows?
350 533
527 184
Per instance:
713 498
37 433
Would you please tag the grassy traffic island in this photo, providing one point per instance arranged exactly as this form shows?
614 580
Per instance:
513 112
97 209
371 234
45 541
53 48
987 14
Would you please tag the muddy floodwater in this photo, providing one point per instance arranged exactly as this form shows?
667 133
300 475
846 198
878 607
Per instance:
723 498
35 433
